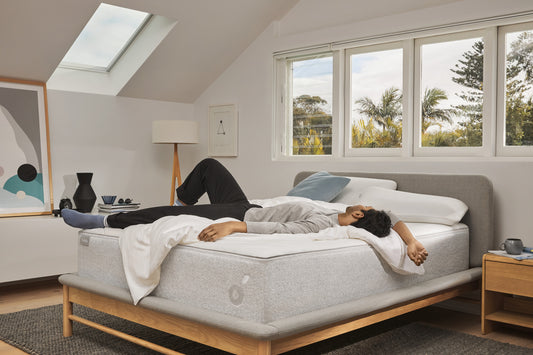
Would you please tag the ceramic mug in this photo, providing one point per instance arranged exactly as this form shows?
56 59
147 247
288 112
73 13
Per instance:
512 246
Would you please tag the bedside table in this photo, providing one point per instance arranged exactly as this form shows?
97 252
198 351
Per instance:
507 292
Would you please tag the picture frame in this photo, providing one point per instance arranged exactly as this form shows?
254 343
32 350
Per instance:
25 167
223 131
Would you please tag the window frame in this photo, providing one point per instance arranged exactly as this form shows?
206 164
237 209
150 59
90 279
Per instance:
282 147
501 148
118 55
492 30
489 65
405 46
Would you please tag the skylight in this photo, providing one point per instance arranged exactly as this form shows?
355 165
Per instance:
105 38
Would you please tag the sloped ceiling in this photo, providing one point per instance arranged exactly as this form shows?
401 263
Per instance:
209 36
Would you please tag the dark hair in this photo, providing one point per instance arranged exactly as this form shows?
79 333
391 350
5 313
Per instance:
376 222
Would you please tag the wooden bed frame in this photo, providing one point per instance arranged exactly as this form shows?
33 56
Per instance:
222 339
478 196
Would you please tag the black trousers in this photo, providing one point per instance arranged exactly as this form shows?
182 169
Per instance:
226 197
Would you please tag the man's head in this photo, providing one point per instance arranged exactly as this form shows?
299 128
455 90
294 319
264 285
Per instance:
366 217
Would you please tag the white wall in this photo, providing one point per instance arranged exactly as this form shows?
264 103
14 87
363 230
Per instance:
110 137
248 82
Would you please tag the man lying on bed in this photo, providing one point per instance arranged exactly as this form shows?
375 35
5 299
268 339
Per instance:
228 200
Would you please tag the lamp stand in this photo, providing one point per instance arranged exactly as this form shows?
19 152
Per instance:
175 174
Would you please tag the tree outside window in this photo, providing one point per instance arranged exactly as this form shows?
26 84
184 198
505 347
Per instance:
452 95
518 89
376 97
312 92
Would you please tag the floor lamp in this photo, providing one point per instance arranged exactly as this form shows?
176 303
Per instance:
175 132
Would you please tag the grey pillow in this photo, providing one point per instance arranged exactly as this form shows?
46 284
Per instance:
320 186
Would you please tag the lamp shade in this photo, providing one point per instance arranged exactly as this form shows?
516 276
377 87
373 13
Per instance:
175 131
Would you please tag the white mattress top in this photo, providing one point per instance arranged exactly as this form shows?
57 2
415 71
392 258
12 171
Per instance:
275 245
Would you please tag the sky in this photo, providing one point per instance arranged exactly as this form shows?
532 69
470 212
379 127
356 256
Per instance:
315 78
372 74
108 30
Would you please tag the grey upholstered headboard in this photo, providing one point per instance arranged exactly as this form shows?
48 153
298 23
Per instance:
474 190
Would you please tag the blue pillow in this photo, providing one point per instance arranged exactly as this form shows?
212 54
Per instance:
320 186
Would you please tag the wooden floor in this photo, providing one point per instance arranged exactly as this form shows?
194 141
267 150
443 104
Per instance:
44 293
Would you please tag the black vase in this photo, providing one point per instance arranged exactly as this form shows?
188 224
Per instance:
84 197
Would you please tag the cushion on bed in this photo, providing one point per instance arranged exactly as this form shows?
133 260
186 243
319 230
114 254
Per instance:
320 186
413 207
351 194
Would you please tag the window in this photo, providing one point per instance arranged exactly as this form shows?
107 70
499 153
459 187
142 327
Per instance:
516 48
309 99
104 39
449 111
461 93
375 99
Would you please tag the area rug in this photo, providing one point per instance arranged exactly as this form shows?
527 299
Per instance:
39 331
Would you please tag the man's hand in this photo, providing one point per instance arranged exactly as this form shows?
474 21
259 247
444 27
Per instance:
416 252
220 230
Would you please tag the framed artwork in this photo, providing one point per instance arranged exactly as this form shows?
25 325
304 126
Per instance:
25 171
223 131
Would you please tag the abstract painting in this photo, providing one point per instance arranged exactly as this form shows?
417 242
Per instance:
25 173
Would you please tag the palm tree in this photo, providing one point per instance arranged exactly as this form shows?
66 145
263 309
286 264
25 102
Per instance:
389 107
431 114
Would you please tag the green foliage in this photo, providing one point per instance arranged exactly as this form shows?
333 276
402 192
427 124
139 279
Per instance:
367 135
521 56
470 76
519 108
389 109
311 133
431 113
439 139
387 113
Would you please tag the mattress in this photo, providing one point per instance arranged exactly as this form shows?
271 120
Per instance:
272 277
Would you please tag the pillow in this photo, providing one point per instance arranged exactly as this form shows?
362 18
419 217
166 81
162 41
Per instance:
351 195
320 186
413 207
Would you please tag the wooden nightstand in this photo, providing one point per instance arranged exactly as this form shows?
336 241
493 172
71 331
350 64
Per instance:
507 292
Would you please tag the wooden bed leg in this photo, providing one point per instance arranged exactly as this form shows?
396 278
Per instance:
264 348
67 312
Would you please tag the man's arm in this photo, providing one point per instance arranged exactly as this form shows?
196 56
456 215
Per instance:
415 250
311 223
220 230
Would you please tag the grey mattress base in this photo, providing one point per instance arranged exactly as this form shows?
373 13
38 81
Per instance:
283 284
283 327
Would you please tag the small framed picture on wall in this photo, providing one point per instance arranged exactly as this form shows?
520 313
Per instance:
223 131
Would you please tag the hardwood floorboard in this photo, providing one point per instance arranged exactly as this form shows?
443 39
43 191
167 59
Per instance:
14 298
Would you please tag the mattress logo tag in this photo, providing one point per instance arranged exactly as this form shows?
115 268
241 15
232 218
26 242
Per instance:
84 240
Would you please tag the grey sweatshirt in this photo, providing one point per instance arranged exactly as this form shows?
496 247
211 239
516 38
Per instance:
293 218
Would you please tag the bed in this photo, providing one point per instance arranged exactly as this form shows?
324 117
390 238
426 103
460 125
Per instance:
257 314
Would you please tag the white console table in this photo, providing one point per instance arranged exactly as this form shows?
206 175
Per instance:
36 246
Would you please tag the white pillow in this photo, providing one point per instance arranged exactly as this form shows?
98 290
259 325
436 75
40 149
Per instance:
351 194
413 207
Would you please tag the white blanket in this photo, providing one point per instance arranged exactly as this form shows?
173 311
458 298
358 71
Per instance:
145 246
391 248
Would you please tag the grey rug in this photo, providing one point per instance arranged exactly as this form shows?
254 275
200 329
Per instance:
39 331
